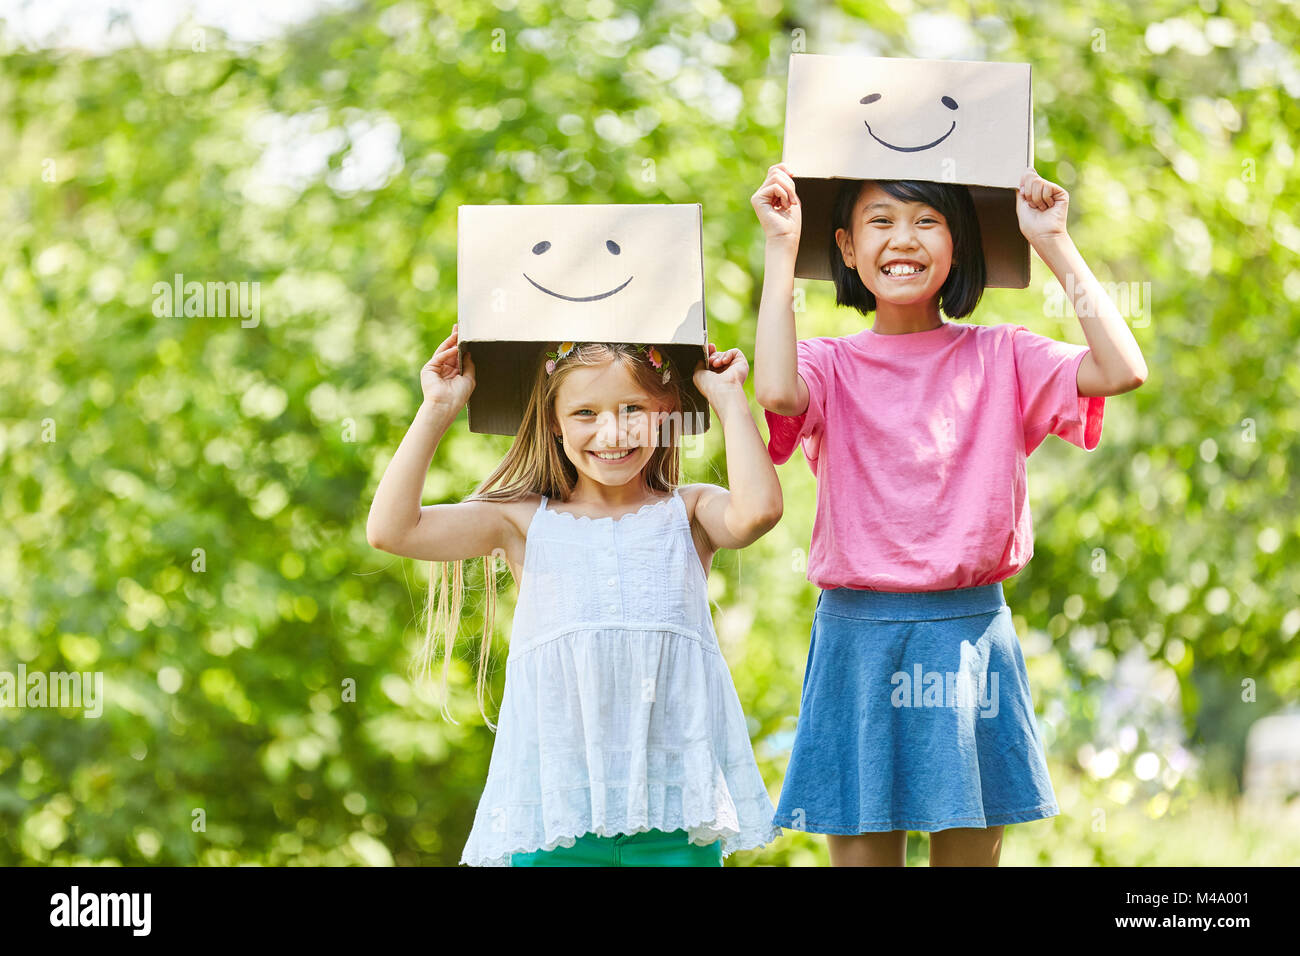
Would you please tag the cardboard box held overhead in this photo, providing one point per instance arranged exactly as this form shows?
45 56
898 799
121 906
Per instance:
529 277
955 121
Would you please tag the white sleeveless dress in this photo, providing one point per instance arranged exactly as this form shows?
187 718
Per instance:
619 713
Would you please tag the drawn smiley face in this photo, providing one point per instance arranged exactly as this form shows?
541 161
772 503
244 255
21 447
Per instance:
947 101
610 245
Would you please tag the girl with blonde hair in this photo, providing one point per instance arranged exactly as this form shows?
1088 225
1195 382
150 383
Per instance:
621 739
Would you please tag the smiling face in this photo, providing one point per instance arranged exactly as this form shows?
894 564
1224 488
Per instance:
580 273
608 422
898 118
611 248
947 102
901 250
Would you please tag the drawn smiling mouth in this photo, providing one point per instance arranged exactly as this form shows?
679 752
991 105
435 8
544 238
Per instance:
909 149
579 298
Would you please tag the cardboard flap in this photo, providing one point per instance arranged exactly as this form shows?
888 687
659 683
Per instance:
531 276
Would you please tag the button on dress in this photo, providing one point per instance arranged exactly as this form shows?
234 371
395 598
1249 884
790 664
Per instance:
619 713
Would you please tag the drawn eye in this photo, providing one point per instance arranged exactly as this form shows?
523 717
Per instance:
870 99
949 102
540 248
612 246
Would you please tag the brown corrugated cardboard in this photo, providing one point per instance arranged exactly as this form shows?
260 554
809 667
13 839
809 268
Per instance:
957 121
529 277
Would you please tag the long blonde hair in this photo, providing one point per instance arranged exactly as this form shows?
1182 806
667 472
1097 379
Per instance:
536 465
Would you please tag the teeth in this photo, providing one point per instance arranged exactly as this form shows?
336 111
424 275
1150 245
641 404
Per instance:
612 455
901 270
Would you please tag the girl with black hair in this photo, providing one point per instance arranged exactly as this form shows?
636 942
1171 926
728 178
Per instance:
916 712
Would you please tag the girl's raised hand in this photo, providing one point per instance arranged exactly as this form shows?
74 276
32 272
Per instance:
1040 207
777 205
442 383
725 370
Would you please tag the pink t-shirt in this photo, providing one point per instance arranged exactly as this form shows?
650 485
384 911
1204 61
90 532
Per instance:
919 442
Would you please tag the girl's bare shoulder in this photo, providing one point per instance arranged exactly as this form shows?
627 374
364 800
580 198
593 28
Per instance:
516 513
693 494
520 511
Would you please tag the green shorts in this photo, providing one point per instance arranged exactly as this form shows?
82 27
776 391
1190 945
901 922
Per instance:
651 848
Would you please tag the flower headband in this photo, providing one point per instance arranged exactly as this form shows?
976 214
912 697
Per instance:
652 355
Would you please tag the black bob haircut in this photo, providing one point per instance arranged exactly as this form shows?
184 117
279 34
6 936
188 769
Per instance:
965 283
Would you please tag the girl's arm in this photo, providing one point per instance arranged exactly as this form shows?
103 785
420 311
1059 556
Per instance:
777 384
738 516
1114 363
397 523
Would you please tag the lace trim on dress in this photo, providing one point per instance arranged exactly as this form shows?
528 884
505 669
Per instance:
753 838
724 826
632 514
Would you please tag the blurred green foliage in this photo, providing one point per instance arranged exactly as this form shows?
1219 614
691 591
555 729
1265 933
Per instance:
185 498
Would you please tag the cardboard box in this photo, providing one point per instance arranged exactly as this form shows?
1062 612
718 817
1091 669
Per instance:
957 121
529 277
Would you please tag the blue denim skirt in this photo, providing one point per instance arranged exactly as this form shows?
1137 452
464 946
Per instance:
915 715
